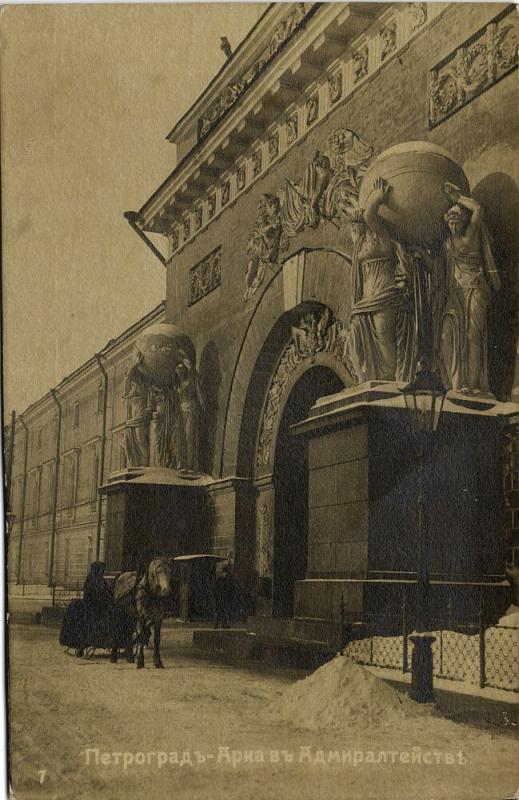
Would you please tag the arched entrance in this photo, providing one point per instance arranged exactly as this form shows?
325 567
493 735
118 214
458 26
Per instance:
290 483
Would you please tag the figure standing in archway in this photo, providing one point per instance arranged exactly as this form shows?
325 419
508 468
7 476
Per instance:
380 339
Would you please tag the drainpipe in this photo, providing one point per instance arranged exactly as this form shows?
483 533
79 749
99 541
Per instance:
55 500
24 487
102 454
131 218
9 464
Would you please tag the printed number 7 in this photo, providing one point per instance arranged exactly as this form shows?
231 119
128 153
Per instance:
42 773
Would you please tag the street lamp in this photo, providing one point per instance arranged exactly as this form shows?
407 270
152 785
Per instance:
424 398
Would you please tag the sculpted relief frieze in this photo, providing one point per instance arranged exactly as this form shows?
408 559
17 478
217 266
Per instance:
372 51
316 332
205 276
265 541
474 67
234 91
327 191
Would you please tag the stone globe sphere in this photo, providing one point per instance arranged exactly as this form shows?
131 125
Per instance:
416 202
161 346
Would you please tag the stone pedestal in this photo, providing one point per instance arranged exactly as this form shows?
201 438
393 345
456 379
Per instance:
154 510
362 538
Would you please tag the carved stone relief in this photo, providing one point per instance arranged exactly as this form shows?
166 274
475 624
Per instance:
256 163
360 64
418 15
474 67
205 276
387 40
292 129
265 541
315 333
335 87
327 192
273 146
211 205
226 192
264 243
233 92
240 177
312 109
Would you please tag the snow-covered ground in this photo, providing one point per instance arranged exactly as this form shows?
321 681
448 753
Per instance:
90 729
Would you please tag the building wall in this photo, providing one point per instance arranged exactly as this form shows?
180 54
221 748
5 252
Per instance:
80 471
390 108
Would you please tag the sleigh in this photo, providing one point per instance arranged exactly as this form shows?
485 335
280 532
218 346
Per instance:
83 631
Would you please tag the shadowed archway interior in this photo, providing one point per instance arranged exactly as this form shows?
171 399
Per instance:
291 487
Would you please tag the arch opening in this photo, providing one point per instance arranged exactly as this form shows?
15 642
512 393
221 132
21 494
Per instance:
290 483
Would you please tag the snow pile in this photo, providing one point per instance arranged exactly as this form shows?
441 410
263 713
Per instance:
339 694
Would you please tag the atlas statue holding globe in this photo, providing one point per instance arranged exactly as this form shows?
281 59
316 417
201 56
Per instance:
423 272
164 402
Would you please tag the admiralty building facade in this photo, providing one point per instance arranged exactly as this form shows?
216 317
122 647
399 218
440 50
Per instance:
342 216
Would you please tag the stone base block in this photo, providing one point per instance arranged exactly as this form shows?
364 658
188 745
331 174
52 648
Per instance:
321 598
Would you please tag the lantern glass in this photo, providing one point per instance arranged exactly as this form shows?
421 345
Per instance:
424 399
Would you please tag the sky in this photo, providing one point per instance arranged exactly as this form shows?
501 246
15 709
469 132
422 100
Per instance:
88 94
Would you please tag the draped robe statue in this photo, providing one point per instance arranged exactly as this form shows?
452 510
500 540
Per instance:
164 429
190 408
136 433
470 276
380 339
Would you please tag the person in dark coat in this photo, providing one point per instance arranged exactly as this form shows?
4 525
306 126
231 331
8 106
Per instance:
97 603
224 593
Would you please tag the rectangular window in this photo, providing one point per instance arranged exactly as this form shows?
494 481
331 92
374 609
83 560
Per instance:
76 414
69 480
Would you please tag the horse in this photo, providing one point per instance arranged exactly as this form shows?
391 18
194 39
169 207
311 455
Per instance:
144 598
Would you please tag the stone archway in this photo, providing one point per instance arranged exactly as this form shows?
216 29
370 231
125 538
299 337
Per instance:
290 486
319 277
302 360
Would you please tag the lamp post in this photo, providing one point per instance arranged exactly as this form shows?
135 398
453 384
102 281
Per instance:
424 398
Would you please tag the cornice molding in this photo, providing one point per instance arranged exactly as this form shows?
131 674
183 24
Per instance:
222 169
250 103
243 58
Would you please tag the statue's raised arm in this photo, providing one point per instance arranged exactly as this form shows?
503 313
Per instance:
377 198
475 211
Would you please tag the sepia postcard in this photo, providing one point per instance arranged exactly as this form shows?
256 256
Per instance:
260 389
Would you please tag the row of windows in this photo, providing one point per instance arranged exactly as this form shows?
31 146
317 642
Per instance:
40 485
37 435
36 560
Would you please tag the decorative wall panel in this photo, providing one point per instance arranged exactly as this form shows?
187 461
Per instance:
205 276
474 67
